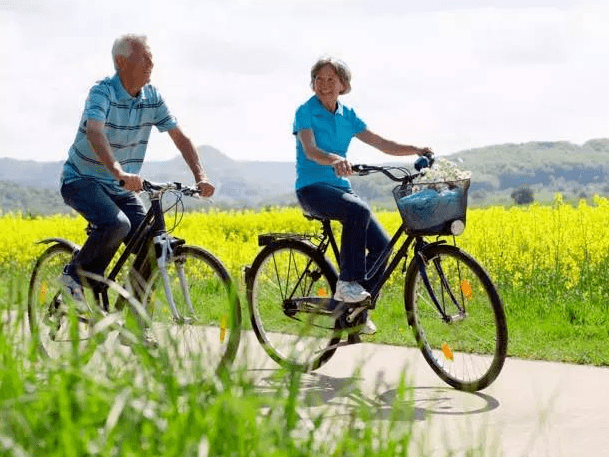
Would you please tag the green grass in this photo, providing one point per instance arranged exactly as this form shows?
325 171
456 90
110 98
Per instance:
150 404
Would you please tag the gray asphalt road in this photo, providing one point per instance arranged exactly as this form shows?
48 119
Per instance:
533 409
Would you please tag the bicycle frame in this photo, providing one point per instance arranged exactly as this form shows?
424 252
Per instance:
388 264
328 239
151 230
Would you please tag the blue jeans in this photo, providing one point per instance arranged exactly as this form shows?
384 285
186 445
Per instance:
361 230
114 218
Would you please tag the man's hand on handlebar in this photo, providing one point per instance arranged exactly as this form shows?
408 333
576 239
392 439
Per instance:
206 189
131 182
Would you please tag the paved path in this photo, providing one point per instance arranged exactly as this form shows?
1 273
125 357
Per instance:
532 409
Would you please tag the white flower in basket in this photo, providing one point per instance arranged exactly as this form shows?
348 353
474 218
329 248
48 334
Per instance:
443 171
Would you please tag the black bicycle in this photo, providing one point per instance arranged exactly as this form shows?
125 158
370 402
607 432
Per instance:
182 294
450 301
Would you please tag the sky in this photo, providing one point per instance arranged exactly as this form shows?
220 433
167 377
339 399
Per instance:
450 75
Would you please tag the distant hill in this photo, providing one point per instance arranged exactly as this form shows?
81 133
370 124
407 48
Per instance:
548 167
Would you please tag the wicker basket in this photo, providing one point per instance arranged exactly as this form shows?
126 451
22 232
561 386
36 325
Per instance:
436 208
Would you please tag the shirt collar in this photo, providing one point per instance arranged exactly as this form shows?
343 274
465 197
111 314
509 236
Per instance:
339 107
122 93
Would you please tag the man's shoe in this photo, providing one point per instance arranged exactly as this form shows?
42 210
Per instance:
350 292
148 340
73 286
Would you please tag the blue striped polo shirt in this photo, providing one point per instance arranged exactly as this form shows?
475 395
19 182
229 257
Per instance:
333 133
128 123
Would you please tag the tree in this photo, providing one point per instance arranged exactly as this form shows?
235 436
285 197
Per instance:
523 195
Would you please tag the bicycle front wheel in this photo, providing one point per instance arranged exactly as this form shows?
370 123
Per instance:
293 331
457 317
206 322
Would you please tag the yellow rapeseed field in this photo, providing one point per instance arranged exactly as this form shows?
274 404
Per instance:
514 244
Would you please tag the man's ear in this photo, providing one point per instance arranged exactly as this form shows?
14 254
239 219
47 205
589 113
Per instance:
120 62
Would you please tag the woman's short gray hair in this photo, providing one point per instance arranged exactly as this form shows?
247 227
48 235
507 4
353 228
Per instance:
123 45
340 67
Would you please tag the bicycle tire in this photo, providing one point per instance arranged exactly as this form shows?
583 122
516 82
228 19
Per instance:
469 352
210 331
284 269
57 329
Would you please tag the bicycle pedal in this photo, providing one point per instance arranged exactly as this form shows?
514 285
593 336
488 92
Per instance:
353 338
355 312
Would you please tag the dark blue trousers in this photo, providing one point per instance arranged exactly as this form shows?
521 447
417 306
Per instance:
114 217
363 238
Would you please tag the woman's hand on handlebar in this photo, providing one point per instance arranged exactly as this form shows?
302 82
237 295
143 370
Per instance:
342 167
427 152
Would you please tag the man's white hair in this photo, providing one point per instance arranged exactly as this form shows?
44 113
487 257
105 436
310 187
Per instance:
123 45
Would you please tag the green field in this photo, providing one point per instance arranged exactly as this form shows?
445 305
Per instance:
550 263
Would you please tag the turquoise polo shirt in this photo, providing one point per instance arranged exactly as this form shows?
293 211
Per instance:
128 123
332 132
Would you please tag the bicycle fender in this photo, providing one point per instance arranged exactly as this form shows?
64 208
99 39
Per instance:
70 244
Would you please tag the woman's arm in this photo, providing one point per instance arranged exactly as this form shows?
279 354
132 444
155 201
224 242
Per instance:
388 146
341 165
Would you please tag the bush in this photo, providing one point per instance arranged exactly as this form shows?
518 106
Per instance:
523 195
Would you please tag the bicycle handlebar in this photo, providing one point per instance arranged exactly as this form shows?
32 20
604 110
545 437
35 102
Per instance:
422 162
150 187
190 191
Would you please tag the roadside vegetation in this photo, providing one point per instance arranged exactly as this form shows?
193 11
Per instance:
550 263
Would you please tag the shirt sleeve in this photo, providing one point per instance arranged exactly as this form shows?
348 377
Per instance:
97 104
302 120
165 120
358 124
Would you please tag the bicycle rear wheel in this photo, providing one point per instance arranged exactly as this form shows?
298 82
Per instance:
292 331
208 321
59 326
457 317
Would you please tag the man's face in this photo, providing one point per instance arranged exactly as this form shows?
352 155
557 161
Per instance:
138 66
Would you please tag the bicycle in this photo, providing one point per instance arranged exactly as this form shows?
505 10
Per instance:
451 303
178 285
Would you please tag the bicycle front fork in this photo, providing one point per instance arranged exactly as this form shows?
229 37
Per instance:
165 255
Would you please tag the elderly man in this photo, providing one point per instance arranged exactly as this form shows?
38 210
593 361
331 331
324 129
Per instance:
108 151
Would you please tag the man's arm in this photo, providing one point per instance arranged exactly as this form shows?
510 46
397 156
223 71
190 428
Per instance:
188 151
101 146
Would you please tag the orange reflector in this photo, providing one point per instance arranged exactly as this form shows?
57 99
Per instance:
321 292
223 326
447 351
466 288
43 293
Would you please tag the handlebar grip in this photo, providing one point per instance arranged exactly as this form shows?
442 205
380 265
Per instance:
422 162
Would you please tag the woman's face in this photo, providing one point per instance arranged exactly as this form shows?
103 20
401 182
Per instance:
328 86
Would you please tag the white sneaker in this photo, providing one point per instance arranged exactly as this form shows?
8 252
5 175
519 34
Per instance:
369 328
350 292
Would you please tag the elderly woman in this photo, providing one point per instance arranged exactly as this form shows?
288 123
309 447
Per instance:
324 127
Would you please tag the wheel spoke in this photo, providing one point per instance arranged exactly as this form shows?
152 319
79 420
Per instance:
293 333
466 343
